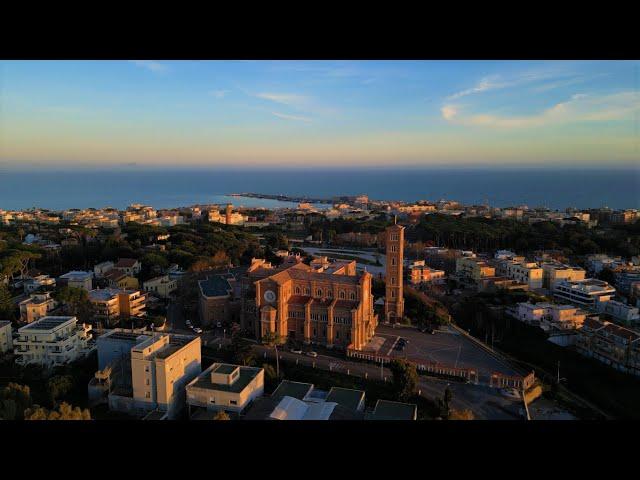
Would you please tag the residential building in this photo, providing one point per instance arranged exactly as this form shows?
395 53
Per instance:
38 305
161 286
100 269
77 279
549 316
611 344
555 272
588 293
112 304
519 270
6 337
394 297
230 388
473 269
117 278
420 273
130 266
38 282
625 279
301 401
333 308
621 312
161 367
597 262
52 341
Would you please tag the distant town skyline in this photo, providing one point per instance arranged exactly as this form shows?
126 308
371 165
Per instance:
103 114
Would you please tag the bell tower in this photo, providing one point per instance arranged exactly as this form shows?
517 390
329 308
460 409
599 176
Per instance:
227 211
394 300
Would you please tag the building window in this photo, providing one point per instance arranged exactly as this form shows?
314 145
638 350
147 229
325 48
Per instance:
342 296
393 261
212 400
352 296
319 292
306 291
233 402
147 381
147 394
297 290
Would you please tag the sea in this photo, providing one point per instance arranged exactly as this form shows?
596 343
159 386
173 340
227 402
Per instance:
553 188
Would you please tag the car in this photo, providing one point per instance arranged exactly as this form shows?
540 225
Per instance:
296 351
312 354
188 323
219 325
197 330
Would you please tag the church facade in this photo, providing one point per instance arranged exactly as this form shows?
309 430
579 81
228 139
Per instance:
327 304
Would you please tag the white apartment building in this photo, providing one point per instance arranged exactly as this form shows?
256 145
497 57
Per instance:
111 303
52 341
38 305
35 283
78 279
599 261
225 387
100 269
621 312
161 367
555 272
162 286
521 271
6 337
588 293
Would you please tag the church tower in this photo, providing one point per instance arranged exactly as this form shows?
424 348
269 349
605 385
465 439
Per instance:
394 300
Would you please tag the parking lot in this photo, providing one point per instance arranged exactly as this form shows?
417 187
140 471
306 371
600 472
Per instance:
447 346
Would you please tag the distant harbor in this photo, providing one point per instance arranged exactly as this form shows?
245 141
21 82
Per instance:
284 198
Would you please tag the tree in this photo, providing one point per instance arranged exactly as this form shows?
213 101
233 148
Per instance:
7 306
14 400
77 302
221 415
63 412
59 385
405 379
465 414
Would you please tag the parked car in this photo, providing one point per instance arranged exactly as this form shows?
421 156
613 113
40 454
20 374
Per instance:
197 330
188 323
312 354
296 351
219 324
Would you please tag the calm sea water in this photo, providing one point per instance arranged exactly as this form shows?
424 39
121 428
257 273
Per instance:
558 189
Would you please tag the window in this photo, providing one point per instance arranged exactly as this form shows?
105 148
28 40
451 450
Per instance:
306 291
147 394
352 296
233 402
146 368
319 292
342 297
147 381
298 291
393 261
212 400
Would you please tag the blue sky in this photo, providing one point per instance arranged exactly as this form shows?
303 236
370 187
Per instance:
318 113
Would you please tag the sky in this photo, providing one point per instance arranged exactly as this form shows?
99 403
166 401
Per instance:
155 113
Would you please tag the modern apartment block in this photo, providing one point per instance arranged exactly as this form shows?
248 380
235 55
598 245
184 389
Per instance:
474 269
161 286
77 279
549 316
588 293
611 344
111 303
52 341
230 388
555 272
621 312
6 337
38 305
521 271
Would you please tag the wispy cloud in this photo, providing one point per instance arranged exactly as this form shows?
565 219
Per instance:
151 65
498 82
289 99
218 93
291 117
578 108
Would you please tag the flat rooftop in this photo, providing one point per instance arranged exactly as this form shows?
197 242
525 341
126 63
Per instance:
47 323
388 410
223 368
74 274
215 286
247 374
288 388
346 397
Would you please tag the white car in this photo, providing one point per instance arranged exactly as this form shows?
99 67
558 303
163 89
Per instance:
312 354
188 323
197 330
219 325
298 352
